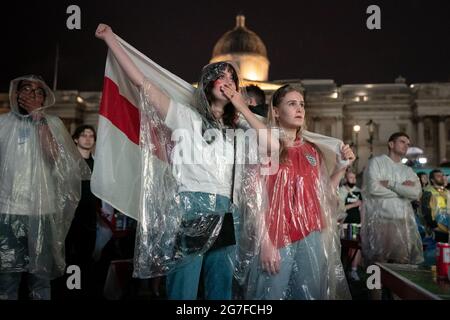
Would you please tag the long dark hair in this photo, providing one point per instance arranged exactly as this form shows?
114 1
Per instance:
78 131
229 112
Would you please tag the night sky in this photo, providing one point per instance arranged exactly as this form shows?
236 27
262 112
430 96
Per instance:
304 39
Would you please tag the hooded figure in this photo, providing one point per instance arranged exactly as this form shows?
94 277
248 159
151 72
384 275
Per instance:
40 174
195 168
186 184
185 205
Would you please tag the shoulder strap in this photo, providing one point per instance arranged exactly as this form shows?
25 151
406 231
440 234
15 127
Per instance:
234 169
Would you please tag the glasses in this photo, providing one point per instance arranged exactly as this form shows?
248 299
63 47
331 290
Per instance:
38 92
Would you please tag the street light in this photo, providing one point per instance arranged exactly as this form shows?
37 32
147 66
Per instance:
356 129
423 160
371 129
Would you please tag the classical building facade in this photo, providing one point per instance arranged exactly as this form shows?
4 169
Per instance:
422 109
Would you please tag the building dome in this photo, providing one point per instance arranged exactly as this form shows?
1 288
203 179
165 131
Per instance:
241 40
246 49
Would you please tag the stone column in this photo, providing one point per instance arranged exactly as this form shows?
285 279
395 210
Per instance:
317 126
339 128
420 134
442 151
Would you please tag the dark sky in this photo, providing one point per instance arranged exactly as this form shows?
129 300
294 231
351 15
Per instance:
304 39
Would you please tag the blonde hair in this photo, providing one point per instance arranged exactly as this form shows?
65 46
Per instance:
277 98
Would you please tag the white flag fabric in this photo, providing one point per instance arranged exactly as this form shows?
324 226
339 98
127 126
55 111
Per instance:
117 174
133 174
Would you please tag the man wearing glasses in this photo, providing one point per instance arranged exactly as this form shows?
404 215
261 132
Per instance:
40 174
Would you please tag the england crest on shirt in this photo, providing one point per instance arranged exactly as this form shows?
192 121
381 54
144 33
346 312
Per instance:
312 160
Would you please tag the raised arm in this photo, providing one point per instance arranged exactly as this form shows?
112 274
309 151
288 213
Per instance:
346 154
152 93
265 136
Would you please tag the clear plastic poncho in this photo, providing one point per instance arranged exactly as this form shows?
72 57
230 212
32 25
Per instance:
186 180
300 227
182 204
389 231
40 173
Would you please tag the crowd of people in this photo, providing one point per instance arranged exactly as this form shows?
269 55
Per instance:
256 218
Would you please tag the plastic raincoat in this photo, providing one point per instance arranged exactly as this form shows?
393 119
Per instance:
40 174
389 230
300 226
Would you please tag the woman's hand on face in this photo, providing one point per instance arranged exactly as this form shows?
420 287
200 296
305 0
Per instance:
234 96
103 32
347 154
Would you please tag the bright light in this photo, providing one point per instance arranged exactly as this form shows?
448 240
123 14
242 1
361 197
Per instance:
423 160
334 95
251 75
404 160
356 128
80 99
365 98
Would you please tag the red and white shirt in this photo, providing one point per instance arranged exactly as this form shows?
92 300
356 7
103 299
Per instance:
294 205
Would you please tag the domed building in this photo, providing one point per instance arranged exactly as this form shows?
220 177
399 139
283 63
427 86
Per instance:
246 49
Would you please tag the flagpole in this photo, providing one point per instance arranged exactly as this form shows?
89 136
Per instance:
55 75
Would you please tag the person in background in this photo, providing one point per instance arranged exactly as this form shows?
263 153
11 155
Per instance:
389 230
80 241
350 195
257 100
423 177
435 206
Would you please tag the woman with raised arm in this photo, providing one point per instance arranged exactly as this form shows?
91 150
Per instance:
187 215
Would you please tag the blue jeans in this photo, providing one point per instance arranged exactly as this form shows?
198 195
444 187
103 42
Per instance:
182 284
39 289
302 275
218 265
